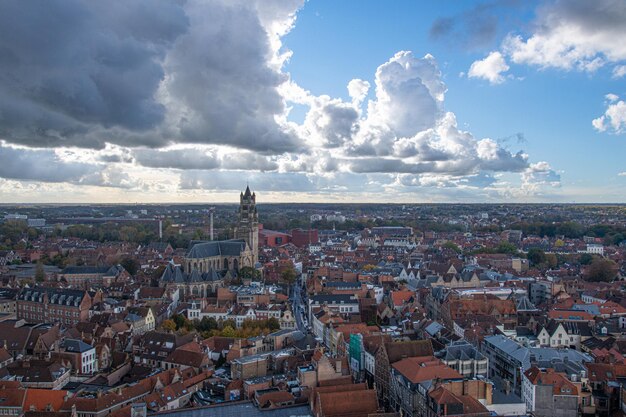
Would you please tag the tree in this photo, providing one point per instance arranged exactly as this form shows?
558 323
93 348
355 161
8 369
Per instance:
506 247
228 331
273 324
206 324
289 275
601 270
40 274
181 322
169 325
247 272
536 256
131 265
551 260
585 259
451 245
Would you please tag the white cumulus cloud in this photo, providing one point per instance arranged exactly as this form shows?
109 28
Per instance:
491 68
614 118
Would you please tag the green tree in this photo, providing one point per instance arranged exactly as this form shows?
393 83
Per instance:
182 322
506 247
40 274
273 324
451 245
536 256
228 331
585 259
247 272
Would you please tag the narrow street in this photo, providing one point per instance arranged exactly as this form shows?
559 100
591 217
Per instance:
298 306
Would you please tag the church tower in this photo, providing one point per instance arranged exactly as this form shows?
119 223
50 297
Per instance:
248 223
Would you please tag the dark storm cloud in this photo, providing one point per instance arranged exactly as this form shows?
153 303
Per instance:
40 165
475 28
220 82
140 73
69 67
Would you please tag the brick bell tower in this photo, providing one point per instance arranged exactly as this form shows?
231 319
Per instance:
248 222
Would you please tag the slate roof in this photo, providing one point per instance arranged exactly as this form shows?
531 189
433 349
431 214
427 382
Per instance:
525 356
342 284
210 249
76 346
58 296
174 274
333 299
238 409
80 270
460 350
524 304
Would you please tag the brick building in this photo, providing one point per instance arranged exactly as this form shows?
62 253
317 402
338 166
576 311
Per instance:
303 238
55 305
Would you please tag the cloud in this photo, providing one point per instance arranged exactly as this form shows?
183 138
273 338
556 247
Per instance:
614 118
491 68
573 34
221 84
473 28
98 69
539 174
232 180
169 96
619 71
144 73
358 89
205 158
622 174
39 165
49 166
409 94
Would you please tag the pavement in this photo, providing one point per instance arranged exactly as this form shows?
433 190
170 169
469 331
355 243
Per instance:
298 306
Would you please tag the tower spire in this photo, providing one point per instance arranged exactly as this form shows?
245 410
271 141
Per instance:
248 226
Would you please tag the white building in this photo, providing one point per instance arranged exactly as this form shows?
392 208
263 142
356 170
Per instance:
595 249
88 361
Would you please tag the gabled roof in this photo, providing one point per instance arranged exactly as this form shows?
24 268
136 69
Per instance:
42 399
469 404
75 346
422 369
174 274
210 249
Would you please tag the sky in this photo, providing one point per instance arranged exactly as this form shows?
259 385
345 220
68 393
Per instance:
318 101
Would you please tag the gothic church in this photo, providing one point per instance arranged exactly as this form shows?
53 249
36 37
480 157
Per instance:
209 263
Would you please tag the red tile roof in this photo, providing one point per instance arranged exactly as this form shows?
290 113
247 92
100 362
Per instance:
426 368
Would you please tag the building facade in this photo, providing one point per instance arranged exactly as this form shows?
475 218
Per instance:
55 305
248 223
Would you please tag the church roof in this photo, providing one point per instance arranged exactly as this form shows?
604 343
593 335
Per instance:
175 274
210 249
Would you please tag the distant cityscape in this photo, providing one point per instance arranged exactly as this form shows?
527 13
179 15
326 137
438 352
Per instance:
312 208
312 309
